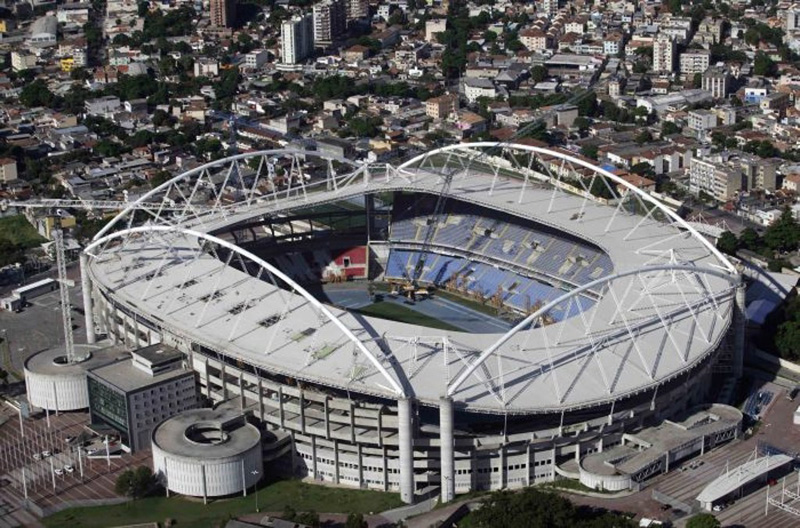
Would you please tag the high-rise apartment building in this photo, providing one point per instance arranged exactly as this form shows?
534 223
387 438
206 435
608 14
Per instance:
357 9
330 20
550 7
297 39
664 54
223 13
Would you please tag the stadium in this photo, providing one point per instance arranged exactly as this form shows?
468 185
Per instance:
467 320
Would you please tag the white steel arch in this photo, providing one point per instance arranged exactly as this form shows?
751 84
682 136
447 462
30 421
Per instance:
475 364
265 155
397 387
577 161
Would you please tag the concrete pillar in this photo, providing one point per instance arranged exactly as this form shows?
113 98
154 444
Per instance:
380 426
446 440
502 457
241 391
314 457
360 454
327 411
335 461
739 322
280 406
528 464
302 402
352 413
86 290
405 426
384 461
261 400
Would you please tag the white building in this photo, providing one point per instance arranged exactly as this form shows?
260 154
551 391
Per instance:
206 67
711 176
256 59
702 120
44 31
8 170
477 88
664 54
434 27
694 61
717 81
297 39
21 60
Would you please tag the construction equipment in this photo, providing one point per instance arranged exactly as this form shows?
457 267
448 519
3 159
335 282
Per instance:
63 285
110 205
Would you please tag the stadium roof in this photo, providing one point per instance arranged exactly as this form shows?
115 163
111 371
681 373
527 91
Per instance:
657 320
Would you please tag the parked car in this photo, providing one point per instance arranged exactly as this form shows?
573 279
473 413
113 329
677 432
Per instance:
69 469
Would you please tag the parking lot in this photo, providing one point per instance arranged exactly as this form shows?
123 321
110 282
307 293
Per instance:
39 326
65 475
777 430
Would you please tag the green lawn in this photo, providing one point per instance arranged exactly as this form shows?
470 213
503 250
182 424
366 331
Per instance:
17 230
192 513
397 312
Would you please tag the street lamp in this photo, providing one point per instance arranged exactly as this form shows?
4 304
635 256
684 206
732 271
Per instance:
255 473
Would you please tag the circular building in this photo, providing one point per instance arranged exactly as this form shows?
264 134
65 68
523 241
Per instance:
568 307
55 384
207 453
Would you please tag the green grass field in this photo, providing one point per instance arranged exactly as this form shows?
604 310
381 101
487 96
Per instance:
192 513
398 312
17 230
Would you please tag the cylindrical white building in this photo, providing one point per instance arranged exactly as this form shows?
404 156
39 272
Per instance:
54 384
207 453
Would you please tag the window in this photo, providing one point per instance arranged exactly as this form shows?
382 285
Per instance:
347 262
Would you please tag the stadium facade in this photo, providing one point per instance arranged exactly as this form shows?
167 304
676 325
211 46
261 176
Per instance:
617 312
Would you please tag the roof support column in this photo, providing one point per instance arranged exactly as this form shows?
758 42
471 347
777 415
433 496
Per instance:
86 290
739 321
446 441
405 426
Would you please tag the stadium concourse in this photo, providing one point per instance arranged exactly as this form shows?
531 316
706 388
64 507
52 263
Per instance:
619 314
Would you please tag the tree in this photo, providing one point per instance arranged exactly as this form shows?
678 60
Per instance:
749 239
727 243
538 73
135 483
763 65
703 520
355 520
590 151
36 94
668 128
645 136
309 518
784 233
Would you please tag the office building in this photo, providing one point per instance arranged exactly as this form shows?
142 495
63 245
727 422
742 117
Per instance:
133 396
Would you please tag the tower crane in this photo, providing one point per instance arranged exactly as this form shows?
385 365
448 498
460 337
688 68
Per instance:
59 207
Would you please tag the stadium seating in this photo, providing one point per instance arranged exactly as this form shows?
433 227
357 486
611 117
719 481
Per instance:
541 249
472 277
